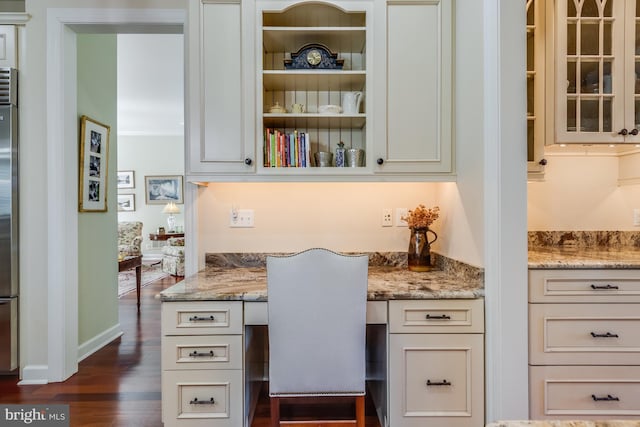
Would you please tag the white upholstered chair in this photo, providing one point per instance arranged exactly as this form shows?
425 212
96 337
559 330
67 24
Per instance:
317 328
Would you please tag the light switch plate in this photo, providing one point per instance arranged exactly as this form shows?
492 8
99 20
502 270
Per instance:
636 217
401 212
241 218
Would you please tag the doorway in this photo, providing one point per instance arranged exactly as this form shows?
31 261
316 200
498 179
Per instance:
61 119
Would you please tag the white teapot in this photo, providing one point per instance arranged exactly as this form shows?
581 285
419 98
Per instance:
351 102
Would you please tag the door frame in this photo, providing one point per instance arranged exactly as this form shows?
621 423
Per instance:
62 131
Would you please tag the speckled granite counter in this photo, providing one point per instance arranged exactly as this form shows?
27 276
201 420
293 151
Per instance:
227 277
612 423
571 257
584 249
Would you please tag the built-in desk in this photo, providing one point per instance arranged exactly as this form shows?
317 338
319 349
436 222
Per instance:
425 351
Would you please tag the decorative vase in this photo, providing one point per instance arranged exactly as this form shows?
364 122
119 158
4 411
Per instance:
419 253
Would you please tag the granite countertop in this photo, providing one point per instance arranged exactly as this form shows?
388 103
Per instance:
567 423
249 283
583 257
584 249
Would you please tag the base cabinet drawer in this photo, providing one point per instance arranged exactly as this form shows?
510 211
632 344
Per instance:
202 352
575 392
436 379
202 398
584 334
202 318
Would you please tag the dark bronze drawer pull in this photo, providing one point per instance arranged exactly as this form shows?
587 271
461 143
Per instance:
441 317
202 402
596 287
196 354
200 319
608 398
607 335
444 382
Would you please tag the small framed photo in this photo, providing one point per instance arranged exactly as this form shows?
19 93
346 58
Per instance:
94 154
126 202
126 179
160 190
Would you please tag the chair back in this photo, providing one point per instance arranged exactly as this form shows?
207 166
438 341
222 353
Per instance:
130 237
317 323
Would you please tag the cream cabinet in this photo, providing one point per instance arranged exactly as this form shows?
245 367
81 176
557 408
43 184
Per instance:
8 46
584 343
202 364
395 71
220 139
597 70
436 363
414 101
536 87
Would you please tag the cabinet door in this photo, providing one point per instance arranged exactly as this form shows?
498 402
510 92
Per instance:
8 46
221 133
418 89
596 71
436 379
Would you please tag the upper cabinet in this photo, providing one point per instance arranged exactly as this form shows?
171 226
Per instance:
414 51
8 46
340 90
536 59
597 75
221 89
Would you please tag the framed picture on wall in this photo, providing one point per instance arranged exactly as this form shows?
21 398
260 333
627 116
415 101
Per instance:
126 202
94 154
126 179
160 190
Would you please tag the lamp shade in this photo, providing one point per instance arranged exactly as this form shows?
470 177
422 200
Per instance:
171 208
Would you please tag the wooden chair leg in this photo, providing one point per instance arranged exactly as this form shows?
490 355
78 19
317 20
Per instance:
360 411
275 412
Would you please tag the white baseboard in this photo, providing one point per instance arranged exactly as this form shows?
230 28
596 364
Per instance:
89 347
34 374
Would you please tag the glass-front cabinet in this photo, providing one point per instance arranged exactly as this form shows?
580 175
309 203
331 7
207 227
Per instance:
535 86
597 71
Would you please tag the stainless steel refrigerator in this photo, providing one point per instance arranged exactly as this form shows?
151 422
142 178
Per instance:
9 287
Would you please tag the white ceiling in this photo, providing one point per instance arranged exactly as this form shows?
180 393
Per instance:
150 84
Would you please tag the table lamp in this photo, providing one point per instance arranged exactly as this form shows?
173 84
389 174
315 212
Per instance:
171 209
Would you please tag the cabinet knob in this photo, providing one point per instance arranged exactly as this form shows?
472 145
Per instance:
543 162
380 160
634 131
623 132
247 161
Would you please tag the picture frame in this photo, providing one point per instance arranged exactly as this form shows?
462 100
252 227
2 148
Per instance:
162 189
126 179
94 157
126 202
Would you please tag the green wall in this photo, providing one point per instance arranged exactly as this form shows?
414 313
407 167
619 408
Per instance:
97 231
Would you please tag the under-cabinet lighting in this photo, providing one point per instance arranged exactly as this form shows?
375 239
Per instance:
612 145
563 145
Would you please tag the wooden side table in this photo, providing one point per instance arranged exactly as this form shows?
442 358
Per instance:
128 263
165 236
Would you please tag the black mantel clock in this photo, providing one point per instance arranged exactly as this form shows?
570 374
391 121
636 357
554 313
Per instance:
313 56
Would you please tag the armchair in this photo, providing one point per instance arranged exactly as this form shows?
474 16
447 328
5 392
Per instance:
130 238
173 256
317 324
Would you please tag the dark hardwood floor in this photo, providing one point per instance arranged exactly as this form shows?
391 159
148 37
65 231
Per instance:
120 384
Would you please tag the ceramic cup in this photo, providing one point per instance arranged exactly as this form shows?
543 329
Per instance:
297 108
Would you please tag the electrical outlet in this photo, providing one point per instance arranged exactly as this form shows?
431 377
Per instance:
387 217
401 212
241 218
636 217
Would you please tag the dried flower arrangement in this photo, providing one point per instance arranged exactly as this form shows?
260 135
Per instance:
421 217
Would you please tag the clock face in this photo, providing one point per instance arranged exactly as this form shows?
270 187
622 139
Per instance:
314 57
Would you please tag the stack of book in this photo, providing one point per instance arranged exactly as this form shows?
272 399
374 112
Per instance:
286 149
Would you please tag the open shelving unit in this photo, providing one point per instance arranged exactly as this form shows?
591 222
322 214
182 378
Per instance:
285 28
